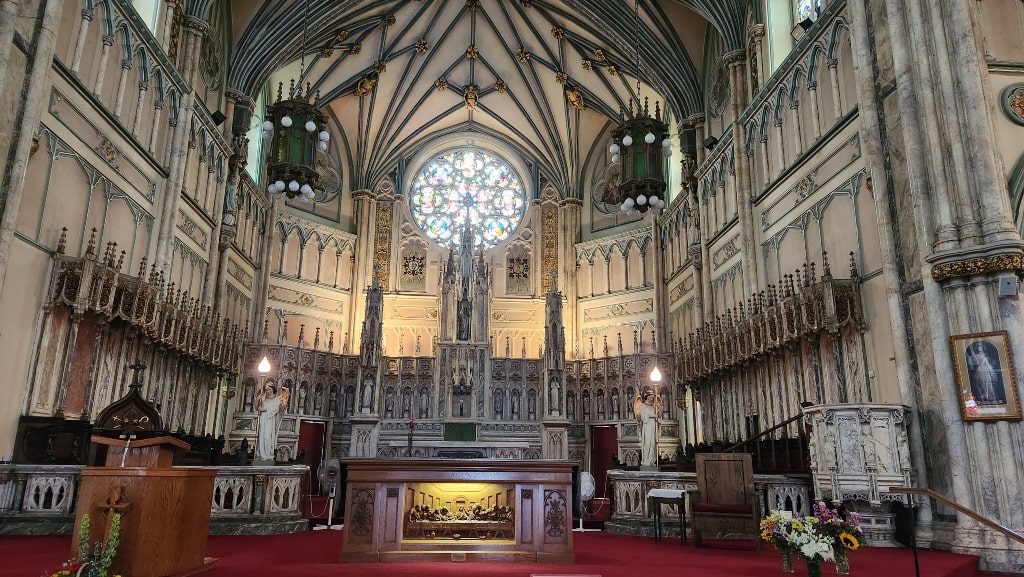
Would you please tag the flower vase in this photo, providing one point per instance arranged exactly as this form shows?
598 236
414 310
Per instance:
813 568
787 561
842 561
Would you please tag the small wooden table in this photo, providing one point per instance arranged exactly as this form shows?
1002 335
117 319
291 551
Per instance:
658 497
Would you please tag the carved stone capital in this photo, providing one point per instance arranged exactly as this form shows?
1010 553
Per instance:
756 31
735 57
696 119
197 25
87 14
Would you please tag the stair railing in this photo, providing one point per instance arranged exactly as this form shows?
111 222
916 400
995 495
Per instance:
1010 533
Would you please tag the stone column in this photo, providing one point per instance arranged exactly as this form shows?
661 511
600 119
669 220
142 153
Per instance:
737 62
756 60
261 283
570 210
29 111
661 302
365 206
194 30
699 134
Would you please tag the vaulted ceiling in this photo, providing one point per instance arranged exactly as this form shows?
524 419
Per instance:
545 78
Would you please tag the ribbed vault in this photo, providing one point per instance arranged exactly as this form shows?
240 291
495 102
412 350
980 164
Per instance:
397 73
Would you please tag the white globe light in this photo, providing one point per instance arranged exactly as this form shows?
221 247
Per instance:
667 143
321 145
667 152
293 186
310 126
628 202
279 185
286 121
614 148
272 189
325 136
641 200
624 207
649 139
268 126
653 200
306 190
615 158
627 140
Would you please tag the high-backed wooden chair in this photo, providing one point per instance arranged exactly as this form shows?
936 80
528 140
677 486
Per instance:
725 501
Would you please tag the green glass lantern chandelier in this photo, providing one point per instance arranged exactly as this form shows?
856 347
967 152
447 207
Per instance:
296 129
641 144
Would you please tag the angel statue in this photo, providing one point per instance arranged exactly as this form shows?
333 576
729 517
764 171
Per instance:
270 406
647 409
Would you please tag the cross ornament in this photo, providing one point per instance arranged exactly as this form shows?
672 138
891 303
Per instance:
115 502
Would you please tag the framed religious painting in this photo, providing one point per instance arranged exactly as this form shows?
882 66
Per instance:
985 379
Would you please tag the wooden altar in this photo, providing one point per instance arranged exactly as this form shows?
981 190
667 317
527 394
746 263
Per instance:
458 510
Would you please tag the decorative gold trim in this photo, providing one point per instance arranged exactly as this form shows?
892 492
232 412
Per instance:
977 266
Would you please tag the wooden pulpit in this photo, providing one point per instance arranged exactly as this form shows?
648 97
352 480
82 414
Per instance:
165 511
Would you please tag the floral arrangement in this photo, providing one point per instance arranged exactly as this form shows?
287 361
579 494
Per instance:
842 528
797 535
93 559
775 529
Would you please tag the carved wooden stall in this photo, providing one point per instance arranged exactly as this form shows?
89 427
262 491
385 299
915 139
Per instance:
458 510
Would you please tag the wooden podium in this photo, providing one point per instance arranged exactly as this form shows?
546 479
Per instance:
165 511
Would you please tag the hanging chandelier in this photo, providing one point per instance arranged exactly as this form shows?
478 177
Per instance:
641 144
295 129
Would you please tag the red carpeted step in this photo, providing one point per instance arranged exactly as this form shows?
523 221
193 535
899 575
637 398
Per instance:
598 554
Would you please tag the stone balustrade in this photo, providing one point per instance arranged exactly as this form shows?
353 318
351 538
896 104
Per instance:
41 500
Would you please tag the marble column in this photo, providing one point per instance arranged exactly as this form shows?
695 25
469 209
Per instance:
878 186
757 70
8 20
29 111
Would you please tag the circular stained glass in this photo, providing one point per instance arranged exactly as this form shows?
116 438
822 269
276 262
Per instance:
467 184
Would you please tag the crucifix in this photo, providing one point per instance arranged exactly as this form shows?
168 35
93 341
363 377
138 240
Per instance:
114 503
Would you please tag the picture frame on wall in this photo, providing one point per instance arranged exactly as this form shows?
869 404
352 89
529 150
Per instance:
985 378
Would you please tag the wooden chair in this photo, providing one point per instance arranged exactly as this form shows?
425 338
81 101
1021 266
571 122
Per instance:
725 501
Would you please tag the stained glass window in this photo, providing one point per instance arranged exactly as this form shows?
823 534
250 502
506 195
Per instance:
467 184
806 9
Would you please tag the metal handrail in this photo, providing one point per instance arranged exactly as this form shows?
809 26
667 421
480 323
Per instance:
952 504
946 501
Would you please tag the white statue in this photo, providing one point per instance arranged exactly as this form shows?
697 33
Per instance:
270 408
647 410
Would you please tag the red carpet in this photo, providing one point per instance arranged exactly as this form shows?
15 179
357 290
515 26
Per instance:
315 553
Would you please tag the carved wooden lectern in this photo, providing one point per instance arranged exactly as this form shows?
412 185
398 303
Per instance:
165 510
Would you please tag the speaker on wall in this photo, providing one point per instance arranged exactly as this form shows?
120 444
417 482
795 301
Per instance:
218 117
710 142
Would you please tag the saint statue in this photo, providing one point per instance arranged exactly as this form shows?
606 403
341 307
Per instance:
367 394
647 410
556 397
464 318
270 407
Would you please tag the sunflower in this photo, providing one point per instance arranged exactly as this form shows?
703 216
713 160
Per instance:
766 535
849 541
798 526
